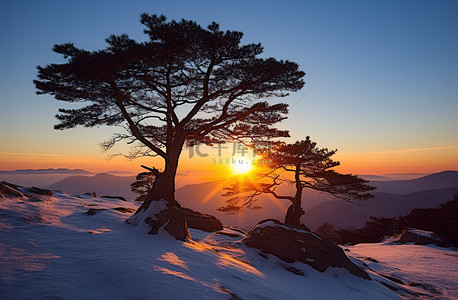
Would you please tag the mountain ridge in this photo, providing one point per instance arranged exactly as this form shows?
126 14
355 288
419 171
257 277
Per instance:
346 215
207 197
45 171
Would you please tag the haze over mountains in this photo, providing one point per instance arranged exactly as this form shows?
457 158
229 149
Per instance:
342 214
430 182
392 197
43 178
393 176
45 171
101 184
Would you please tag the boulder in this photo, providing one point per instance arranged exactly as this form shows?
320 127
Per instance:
93 211
9 190
160 213
114 197
421 237
296 244
39 191
176 224
11 185
125 210
201 221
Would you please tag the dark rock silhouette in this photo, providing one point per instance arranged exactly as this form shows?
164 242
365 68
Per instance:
421 237
201 221
114 197
38 191
160 214
125 210
291 244
93 211
10 190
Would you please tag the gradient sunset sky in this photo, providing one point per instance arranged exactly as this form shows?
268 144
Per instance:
381 83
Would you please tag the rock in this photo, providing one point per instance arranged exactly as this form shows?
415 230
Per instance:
39 191
232 232
201 221
294 244
124 210
91 194
392 278
12 185
114 197
93 211
162 214
229 234
177 223
421 237
9 190
243 232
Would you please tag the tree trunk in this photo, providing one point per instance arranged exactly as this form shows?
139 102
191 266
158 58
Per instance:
160 208
295 212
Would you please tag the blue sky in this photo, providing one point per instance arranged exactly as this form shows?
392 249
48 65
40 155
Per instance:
381 75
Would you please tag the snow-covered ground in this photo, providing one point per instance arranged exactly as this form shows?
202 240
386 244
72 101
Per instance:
79 247
429 271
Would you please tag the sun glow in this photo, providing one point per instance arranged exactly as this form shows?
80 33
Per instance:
241 165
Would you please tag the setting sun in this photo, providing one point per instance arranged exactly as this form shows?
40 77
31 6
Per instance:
241 165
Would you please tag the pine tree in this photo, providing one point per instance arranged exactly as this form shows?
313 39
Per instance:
302 165
185 85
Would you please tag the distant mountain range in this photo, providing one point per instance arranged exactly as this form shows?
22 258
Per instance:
394 176
374 177
430 182
343 214
45 171
392 198
102 184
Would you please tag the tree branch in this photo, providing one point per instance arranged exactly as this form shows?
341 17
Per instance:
134 129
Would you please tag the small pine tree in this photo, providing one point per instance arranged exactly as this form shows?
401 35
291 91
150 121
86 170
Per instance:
309 167
328 232
143 185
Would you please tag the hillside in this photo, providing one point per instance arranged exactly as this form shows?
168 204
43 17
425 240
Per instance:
435 181
45 171
102 184
430 191
39 177
320 207
79 247
347 215
207 197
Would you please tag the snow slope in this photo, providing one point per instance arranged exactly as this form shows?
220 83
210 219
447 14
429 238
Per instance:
429 270
79 247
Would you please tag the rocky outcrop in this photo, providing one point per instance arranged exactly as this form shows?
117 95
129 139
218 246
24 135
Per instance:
125 210
201 221
295 244
93 211
114 197
10 190
421 237
177 225
38 191
161 214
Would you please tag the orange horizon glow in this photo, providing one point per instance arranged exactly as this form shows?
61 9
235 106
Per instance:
423 160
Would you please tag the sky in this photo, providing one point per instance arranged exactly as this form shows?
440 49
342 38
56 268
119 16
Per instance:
381 77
